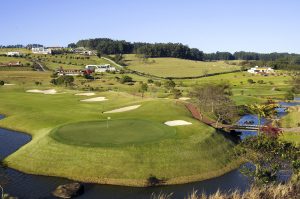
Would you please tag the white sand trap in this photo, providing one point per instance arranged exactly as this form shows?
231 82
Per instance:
127 108
95 99
85 94
177 123
184 98
9 84
50 91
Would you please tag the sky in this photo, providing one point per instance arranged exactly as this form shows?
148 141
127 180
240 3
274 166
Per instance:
209 25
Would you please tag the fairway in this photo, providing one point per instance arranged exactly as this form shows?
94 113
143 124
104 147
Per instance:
112 132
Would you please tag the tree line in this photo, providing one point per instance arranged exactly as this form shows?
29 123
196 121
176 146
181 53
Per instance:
108 46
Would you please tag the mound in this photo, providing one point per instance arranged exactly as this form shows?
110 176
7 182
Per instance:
112 132
127 108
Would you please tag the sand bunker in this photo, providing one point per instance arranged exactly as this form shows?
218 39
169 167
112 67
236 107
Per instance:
184 98
177 123
85 94
127 108
9 84
95 99
50 91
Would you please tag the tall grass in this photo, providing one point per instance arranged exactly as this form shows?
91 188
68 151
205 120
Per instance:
288 191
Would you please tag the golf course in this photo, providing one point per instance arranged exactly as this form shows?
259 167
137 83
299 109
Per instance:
75 139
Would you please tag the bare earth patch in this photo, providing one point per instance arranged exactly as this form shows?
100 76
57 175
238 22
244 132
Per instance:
127 108
177 123
184 98
95 99
85 94
50 91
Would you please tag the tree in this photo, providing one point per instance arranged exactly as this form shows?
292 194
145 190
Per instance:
169 84
176 93
143 88
1 83
262 110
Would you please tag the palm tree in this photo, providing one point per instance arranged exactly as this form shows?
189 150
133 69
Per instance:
262 110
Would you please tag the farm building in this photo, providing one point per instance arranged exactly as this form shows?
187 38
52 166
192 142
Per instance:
261 70
13 54
41 50
100 68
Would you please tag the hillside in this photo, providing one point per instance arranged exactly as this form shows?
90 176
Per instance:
174 67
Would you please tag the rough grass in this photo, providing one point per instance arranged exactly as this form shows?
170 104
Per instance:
173 67
292 119
187 156
288 191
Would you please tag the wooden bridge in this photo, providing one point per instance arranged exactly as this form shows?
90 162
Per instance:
197 115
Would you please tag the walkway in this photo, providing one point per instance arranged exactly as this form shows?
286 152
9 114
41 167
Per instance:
199 116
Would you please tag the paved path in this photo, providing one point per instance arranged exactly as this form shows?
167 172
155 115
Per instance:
113 62
41 66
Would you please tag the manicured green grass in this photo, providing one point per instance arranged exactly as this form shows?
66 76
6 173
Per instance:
173 67
292 137
112 132
195 152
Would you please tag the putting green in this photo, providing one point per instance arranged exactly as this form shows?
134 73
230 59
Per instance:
112 132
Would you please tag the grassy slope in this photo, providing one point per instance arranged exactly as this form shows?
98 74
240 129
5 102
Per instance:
186 157
173 67
69 61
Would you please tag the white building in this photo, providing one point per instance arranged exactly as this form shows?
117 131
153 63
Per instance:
13 54
258 70
100 68
41 50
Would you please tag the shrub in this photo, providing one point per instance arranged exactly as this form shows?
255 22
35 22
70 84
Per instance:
250 81
157 83
125 79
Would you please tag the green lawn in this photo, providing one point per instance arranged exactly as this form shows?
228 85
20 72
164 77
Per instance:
173 67
119 132
194 152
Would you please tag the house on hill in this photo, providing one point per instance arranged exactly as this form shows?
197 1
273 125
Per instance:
41 50
261 70
13 53
100 68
